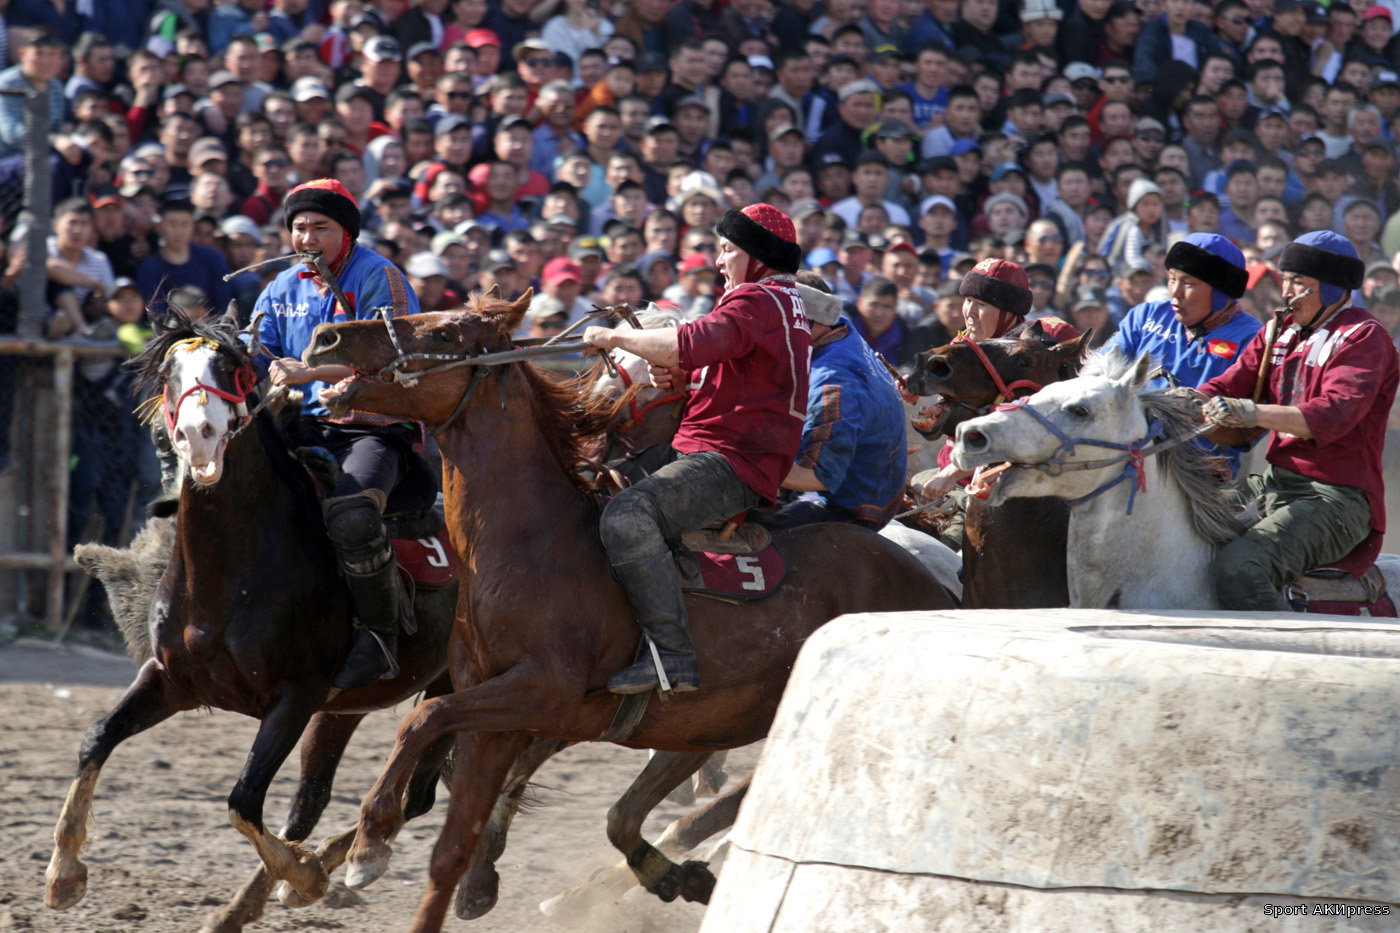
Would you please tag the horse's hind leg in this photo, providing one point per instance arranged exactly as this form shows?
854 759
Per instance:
148 701
656 872
681 836
285 860
477 893
484 760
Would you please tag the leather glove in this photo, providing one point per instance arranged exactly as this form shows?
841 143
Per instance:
1231 412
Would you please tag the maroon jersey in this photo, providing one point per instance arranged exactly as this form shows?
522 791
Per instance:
747 362
1343 378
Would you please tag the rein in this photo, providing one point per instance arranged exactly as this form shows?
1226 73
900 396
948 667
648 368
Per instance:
1134 455
637 414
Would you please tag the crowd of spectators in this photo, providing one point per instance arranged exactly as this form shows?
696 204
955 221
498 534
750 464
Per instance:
585 148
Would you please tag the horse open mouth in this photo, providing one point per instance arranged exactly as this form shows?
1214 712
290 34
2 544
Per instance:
337 396
931 419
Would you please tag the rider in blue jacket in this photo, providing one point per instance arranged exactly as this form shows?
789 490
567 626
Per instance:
1197 333
852 465
373 450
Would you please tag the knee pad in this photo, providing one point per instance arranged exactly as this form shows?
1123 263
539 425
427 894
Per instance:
356 530
630 522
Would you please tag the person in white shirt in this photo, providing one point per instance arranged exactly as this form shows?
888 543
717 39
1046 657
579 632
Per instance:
871 178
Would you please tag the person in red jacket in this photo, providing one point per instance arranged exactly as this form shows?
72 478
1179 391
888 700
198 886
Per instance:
745 366
1330 387
996 298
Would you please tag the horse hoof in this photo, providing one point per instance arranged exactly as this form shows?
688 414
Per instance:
668 886
290 898
308 878
477 900
697 882
63 891
368 867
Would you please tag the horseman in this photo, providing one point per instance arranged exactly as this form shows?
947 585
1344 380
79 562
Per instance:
1331 380
996 298
373 450
1201 329
745 365
852 463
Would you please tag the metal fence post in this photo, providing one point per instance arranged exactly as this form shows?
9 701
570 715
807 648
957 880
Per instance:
38 197
58 500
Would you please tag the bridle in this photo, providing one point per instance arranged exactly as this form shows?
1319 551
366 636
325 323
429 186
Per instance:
245 380
1133 458
636 414
395 373
1005 391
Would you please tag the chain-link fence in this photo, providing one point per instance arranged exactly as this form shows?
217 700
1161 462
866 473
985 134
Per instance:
67 439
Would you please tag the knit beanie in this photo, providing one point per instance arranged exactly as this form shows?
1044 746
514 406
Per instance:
1000 283
765 233
1328 257
325 196
1215 261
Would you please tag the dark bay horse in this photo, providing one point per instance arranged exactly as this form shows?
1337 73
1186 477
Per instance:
541 624
250 616
1014 554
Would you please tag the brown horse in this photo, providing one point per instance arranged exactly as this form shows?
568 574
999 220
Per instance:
541 624
1013 555
251 616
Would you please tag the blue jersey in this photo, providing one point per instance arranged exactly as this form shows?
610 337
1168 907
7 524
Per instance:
925 108
854 438
1152 326
293 308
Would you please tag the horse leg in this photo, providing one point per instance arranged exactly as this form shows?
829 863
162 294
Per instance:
492 706
476 784
477 893
712 775
148 701
683 835
291 861
656 872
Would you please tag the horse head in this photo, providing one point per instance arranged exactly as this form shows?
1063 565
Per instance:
647 416
1063 440
204 376
416 367
967 386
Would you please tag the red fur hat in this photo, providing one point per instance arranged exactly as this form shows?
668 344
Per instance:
1000 283
325 196
765 233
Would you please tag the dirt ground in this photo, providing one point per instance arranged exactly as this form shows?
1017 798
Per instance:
163 854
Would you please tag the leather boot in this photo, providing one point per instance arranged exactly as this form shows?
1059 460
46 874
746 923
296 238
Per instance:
655 593
376 592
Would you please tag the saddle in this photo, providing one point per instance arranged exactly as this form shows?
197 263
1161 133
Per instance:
1335 591
745 565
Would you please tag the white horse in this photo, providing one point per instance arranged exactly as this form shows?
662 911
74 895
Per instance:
1147 513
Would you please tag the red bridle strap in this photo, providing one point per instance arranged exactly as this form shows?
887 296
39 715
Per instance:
244 381
638 413
1008 392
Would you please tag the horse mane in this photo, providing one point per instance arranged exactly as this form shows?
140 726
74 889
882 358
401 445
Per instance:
173 327
1216 512
569 414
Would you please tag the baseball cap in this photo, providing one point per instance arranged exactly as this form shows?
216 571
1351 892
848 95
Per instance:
309 88
651 61
1379 265
175 90
425 265
239 225
937 200
527 46
696 262
853 237
544 307
202 150
939 164
861 86
383 49
450 122
118 285
418 48
1144 124
584 247
883 52
782 129
476 38
561 269
1381 143
690 101
658 123
1385 79
828 159
1080 71
1090 297
1057 97
445 239
1040 9
348 92
497 259
1371 11
1006 168
964 146
821 256
761 61
894 129
220 78
871 157
804 208
105 196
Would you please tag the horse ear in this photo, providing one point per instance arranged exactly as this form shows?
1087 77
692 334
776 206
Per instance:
1137 377
517 310
1070 354
230 317
493 292
1034 331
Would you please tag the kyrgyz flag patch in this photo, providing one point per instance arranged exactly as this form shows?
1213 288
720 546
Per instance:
1221 348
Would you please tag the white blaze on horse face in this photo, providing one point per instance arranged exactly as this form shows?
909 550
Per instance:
204 420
